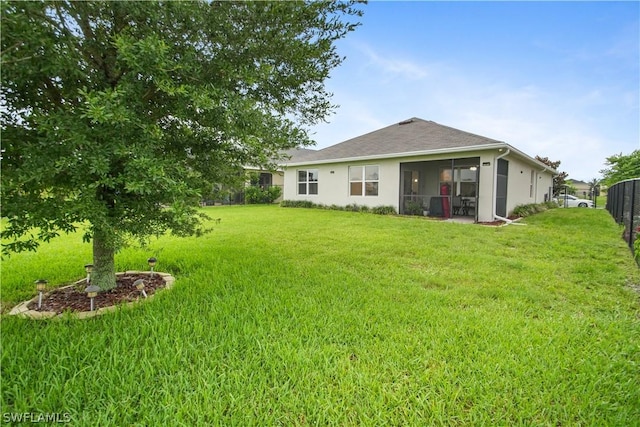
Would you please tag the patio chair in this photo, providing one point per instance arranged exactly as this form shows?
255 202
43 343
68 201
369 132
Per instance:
456 202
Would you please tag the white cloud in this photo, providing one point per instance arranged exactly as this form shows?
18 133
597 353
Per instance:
389 66
561 120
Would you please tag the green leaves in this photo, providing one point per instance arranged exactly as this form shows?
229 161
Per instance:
116 113
104 107
621 167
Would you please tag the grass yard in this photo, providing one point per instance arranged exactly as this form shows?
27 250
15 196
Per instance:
286 316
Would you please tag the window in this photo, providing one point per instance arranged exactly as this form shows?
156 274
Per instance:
363 180
464 181
533 180
308 181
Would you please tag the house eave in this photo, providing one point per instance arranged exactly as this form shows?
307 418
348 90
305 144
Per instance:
483 147
421 153
543 167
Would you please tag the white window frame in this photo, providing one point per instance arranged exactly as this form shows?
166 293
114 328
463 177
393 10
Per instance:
364 180
308 181
531 184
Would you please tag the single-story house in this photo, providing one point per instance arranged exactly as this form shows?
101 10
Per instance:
583 189
420 167
265 178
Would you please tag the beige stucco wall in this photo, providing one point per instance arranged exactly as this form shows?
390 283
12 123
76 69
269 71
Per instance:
333 182
519 183
486 186
277 178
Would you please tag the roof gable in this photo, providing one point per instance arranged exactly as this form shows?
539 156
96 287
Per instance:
299 154
408 138
413 135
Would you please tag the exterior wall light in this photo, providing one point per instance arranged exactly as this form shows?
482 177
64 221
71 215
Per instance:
139 284
152 263
92 292
41 284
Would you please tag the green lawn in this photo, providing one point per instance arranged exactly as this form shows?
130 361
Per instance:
286 316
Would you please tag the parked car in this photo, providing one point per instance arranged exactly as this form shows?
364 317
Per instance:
567 200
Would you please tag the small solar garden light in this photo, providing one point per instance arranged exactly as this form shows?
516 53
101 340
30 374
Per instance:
41 284
152 263
139 284
88 268
92 292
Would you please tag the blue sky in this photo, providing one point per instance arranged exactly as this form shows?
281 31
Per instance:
556 79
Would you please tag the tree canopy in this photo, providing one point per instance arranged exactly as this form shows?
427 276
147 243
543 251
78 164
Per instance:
115 114
621 167
560 178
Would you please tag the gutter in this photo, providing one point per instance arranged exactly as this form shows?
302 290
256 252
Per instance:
507 220
407 154
502 155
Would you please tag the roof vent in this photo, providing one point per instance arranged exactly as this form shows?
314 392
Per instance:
406 122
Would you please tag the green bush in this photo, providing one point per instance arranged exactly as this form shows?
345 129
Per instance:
413 208
523 211
257 195
384 210
274 193
353 207
297 204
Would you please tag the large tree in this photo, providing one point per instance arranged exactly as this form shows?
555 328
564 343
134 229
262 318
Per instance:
115 114
621 167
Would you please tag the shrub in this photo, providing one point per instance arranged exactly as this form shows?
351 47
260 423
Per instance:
353 207
274 193
297 204
256 195
384 210
413 208
524 211
252 195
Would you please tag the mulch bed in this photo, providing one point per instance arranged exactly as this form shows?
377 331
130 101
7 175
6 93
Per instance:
73 298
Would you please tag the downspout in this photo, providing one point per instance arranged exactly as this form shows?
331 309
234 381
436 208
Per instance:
495 187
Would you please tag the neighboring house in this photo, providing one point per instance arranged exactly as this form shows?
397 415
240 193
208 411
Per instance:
274 178
252 176
265 178
232 194
420 167
582 188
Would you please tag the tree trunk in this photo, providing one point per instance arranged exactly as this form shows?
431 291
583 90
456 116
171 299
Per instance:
104 270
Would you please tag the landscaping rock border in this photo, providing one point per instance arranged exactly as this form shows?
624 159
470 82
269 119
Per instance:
22 309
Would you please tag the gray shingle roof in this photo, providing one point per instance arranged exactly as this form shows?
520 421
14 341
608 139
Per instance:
413 135
299 154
